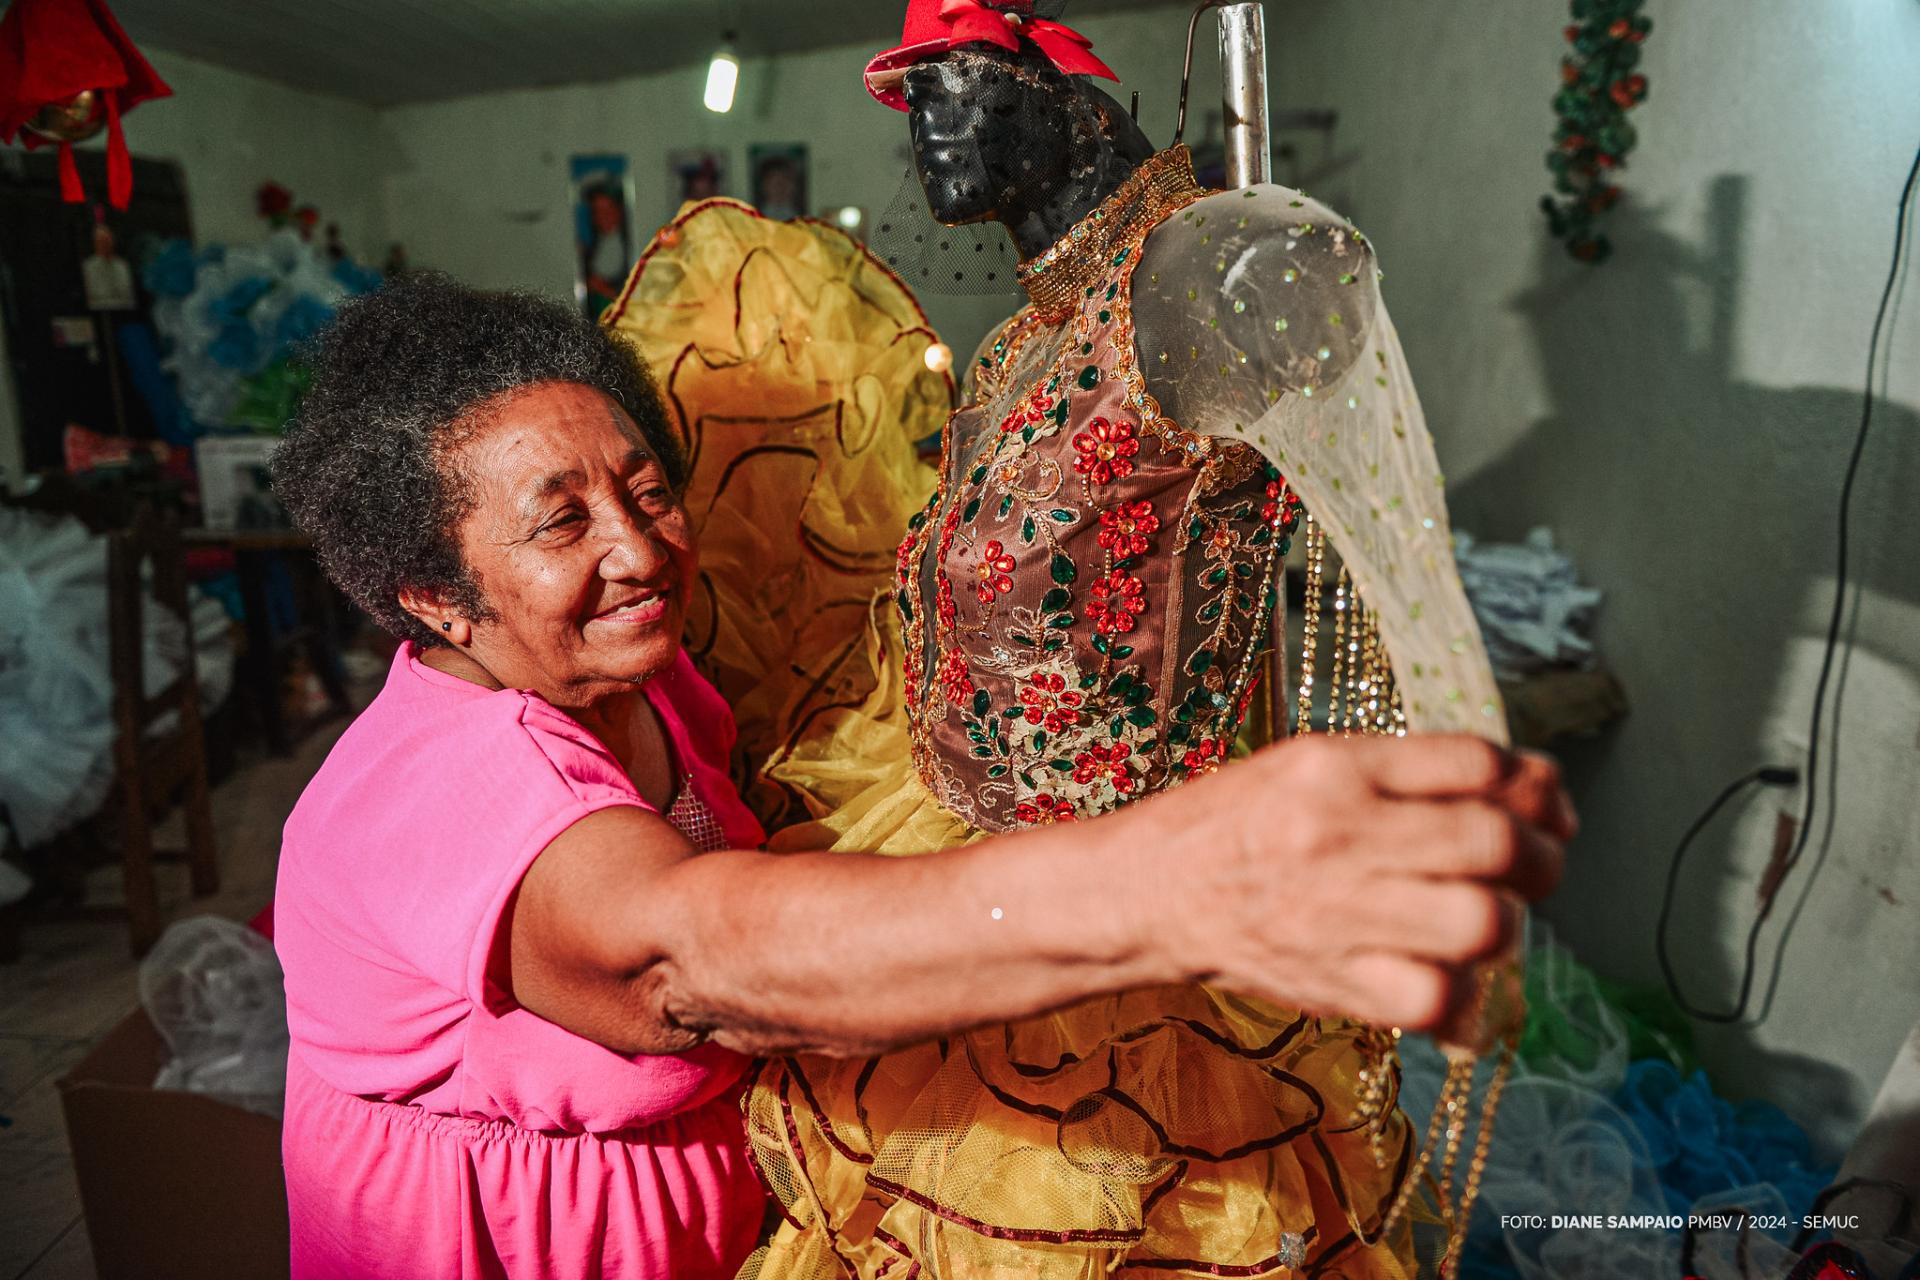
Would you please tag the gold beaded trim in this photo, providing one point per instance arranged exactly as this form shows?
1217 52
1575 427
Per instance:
1057 279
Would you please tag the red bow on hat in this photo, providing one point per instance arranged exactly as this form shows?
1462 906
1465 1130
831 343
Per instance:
51 53
935 26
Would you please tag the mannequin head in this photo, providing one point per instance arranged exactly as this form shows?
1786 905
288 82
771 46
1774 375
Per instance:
1005 137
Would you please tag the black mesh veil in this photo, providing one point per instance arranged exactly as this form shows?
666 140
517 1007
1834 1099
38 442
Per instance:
975 259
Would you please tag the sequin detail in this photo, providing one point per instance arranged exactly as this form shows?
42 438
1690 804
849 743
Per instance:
693 819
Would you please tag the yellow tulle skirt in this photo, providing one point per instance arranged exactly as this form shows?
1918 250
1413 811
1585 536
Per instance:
1174 1130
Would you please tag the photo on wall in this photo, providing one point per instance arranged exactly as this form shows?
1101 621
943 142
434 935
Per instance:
779 179
695 173
602 228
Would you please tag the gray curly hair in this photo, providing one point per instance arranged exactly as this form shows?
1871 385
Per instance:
398 376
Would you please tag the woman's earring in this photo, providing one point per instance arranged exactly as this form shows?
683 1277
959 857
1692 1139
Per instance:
446 626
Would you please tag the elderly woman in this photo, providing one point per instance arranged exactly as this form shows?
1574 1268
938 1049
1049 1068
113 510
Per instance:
527 934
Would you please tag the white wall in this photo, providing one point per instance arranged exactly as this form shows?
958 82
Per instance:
231 132
1682 417
480 185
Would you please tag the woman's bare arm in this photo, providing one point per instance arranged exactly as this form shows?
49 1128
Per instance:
1360 877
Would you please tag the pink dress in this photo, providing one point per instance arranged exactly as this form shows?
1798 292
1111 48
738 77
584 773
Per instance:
433 1127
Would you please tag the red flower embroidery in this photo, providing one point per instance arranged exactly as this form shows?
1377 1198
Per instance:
1116 602
1105 450
943 592
1043 809
1278 509
1049 703
955 679
1222 542
995 565
1124 528
1206 757
903 559
1109 763
1037 407
1013 421
1246 696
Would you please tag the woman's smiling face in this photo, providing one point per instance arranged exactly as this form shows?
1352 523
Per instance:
581 547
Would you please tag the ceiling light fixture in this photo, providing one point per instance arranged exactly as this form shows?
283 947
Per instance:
723 76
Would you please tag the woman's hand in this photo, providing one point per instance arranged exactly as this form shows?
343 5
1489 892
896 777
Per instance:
1358 876
1362 876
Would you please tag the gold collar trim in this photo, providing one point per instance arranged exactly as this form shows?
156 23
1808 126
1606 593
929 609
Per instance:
1057 278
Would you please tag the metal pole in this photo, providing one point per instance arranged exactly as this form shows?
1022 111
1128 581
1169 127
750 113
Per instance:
1243 81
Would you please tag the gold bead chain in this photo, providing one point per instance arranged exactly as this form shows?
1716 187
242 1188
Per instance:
1315 542
1337 682
1361 687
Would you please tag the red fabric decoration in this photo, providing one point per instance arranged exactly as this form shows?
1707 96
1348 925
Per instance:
51 50
935 26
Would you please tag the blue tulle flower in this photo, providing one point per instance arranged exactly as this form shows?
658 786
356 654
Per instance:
239 299
1702 1144
355 278
236 346
170 269
304 317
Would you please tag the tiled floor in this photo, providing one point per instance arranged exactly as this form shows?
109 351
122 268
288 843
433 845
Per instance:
76 979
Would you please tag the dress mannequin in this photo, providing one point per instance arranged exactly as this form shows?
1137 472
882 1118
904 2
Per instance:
1078 618
1084 609
1246 307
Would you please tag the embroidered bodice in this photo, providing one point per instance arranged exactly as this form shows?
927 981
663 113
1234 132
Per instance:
1085 599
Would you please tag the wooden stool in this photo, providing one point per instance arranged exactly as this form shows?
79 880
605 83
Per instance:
155 757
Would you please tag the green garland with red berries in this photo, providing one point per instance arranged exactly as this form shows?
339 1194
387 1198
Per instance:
1598 87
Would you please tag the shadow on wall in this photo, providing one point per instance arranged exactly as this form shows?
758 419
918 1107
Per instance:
1706 506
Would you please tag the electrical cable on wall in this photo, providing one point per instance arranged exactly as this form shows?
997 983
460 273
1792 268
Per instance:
1780 776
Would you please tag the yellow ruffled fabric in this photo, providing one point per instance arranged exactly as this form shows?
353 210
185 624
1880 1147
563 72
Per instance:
793 366
1175 1130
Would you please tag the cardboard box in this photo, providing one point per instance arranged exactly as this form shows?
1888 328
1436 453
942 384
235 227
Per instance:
174 1184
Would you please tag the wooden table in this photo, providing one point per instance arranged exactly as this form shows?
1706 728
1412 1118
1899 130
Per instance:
260 667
